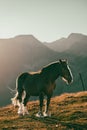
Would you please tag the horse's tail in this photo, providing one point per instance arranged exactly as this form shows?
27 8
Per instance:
19 89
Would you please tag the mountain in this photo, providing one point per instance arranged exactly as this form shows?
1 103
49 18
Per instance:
75 43
68 111
56 45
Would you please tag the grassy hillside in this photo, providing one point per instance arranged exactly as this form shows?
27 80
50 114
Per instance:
68 112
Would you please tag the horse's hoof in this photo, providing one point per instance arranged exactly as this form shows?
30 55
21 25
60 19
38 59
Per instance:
20 114
26 114
40 115
46 114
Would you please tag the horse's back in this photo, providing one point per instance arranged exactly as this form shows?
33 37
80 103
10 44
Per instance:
23 76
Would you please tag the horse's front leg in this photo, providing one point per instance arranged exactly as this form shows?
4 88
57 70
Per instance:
46 113
41 98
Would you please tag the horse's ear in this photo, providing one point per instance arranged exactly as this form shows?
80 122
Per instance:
60 60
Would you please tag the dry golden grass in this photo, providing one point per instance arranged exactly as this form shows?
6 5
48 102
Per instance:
68 112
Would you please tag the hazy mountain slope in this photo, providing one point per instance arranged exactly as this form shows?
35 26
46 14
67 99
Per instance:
79 49
57 45
68 111
74 43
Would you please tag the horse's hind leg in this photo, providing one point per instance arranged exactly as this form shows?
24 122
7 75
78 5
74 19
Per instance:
41 98
25 111
19 97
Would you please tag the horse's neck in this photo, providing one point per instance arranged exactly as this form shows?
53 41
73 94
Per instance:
52 72
54 75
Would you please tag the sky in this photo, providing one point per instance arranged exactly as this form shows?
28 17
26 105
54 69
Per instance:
47 20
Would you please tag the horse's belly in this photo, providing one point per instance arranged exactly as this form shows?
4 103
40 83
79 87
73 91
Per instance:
34 86
34 94
34 90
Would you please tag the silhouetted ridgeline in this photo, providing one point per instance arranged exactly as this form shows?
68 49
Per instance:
26 53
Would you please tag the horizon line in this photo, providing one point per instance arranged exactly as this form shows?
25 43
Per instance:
20 35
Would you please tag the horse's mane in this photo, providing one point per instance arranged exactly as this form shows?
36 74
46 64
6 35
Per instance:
36 72
46 68
50 66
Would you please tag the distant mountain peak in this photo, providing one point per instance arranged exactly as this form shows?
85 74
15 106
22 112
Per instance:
24 35
75 35
28 37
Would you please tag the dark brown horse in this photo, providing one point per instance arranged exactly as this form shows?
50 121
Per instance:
40 83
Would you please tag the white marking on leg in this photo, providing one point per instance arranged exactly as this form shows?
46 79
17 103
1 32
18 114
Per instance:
47 114
20 109
15 102
25 110
23 95
39 114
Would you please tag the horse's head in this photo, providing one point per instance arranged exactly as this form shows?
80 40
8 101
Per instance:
65 71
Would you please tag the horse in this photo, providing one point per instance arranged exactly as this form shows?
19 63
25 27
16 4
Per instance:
40 83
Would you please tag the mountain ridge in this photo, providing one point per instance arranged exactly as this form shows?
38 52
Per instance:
65 44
